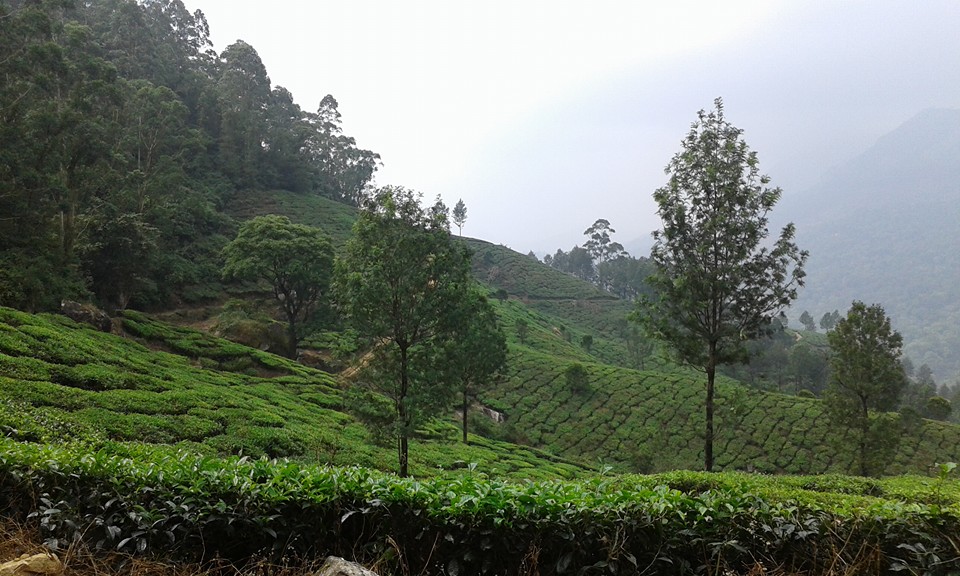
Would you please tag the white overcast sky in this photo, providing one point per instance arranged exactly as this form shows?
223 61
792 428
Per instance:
546 115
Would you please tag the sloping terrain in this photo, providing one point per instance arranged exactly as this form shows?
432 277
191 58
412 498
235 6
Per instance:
334 218
182 386
61 380
884 228
652 419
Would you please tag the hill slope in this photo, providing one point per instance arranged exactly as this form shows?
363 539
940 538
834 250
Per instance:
885 228
221 397
61 380
651 420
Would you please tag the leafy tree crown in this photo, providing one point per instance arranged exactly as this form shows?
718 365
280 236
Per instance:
718 280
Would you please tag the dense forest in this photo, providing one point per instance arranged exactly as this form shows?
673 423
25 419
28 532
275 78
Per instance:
124 135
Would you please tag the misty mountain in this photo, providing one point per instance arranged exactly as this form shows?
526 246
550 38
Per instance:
885 228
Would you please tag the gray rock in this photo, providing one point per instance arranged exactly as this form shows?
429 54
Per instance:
334 566
86 314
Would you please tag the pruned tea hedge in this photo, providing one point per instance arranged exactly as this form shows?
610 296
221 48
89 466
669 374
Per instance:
140 499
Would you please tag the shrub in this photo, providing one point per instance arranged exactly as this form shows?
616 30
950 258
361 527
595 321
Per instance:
938 408
578 380
141 499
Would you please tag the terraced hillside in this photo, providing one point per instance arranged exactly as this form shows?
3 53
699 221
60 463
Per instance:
646 420
559 303
653 421
60 380
525 278
334 218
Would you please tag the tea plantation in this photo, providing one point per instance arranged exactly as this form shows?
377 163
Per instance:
142 499
62 381
119 441
164 440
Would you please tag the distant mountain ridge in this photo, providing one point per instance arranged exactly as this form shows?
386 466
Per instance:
885 228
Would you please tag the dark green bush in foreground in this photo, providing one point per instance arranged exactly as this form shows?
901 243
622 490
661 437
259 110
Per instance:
147 499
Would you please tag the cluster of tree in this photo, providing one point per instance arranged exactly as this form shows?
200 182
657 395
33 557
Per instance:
721 287
827 322
866 379
604 262
404 284
793 362
784 362
124 132
922 396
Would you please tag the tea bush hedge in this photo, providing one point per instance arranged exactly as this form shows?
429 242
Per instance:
143 499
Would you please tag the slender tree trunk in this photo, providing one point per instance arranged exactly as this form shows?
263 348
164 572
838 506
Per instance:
708 435
292 336
465 416
863 453
864 430
404 413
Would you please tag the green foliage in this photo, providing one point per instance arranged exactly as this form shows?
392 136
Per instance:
140 499
587 342
72 382
125 135
643 420
865 376
604 263
522 329
717 283
577 377
600 246
478 350
525 278
938 408
295 260
403 282
829 320
460 215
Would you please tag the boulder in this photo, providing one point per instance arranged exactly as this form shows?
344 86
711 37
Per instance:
28 565
498 417
334 566
86 314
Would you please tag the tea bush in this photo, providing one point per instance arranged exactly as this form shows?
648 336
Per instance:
142 499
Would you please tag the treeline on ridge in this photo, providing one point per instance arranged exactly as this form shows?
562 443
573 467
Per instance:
605 263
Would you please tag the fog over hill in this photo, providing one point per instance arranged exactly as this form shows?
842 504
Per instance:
885 228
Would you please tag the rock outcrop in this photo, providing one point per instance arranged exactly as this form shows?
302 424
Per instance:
86 314
27 565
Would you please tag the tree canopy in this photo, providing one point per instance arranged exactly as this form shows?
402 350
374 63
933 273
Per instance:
604 262
295 260
125 134
718 281
479 350
460 215
402 282
865 376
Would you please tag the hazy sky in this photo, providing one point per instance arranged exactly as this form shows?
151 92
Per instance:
544 116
